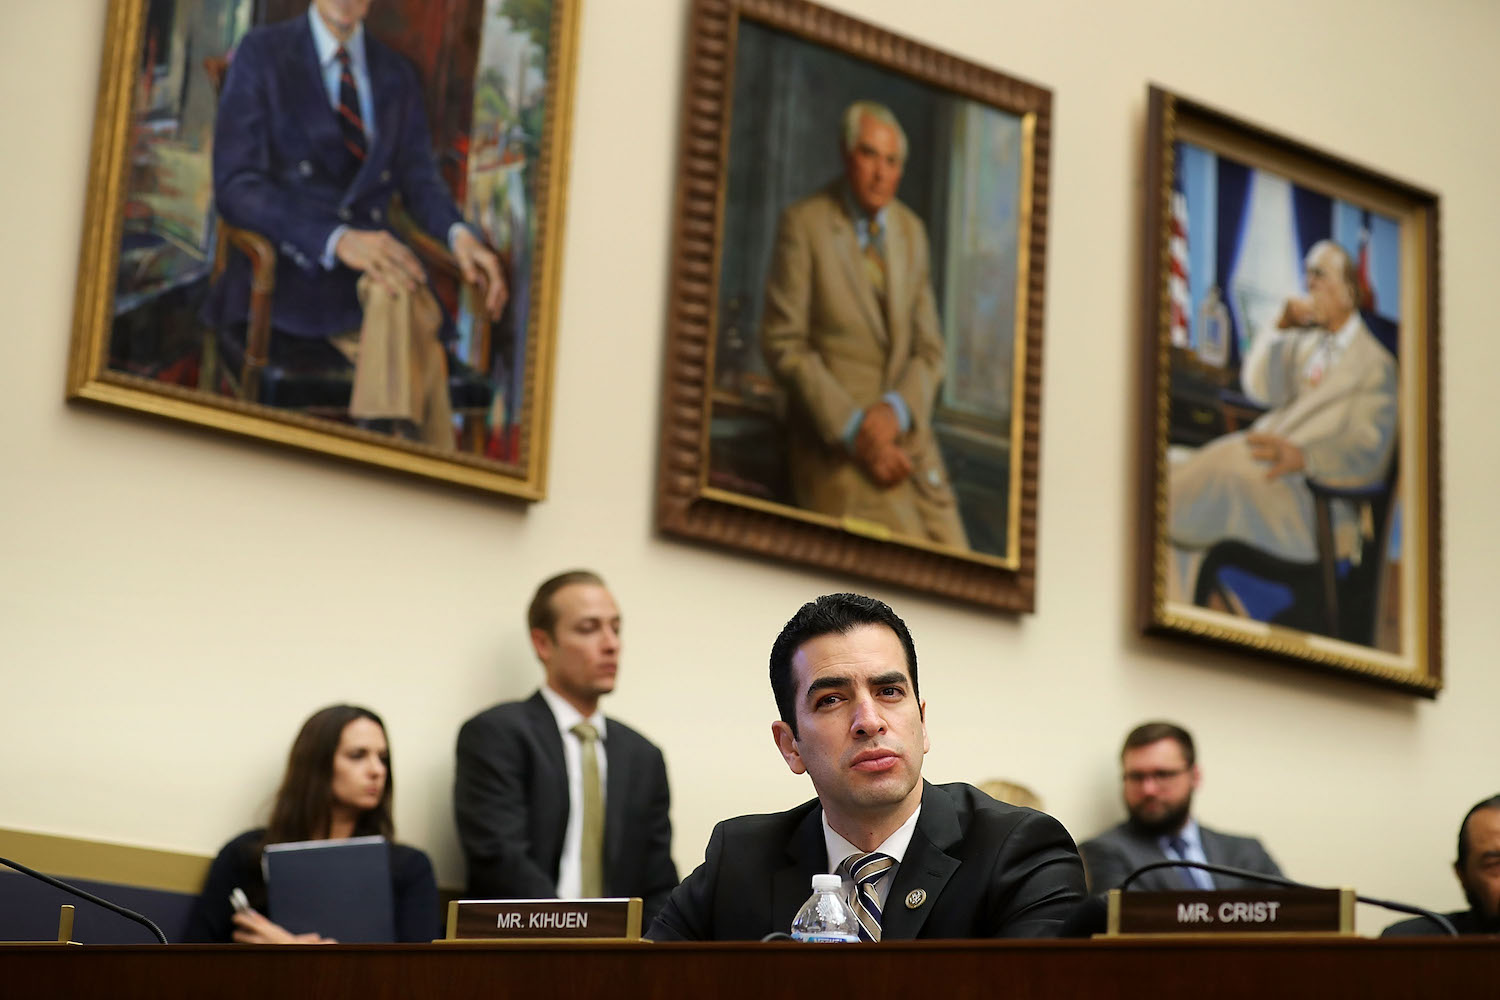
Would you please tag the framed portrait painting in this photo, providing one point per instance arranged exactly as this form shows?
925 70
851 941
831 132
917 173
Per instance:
1290 391
333 224
854 359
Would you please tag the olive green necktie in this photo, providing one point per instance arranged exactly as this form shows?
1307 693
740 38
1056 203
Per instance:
591 843
874 260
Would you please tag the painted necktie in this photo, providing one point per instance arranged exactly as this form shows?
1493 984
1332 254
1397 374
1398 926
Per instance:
351 125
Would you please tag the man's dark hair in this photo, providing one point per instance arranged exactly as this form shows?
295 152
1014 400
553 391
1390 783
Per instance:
541 614
1493 802
828 615
1148 733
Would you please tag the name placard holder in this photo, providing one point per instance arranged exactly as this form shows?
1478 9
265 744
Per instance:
533 920
1231 911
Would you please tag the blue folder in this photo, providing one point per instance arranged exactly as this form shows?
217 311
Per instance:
340 889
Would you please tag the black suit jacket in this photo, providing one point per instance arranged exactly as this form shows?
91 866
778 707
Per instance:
1120 850
988 870
1463 921
510 797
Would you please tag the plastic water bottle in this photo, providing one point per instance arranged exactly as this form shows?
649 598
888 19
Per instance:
826 916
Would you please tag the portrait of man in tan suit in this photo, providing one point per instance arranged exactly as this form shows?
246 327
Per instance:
850 331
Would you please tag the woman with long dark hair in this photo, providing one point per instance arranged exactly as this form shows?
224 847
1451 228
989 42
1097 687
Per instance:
337 784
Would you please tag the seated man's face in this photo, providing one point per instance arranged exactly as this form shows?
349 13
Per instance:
1158 786
1480 875
874 164
861 734
1326 289
342 16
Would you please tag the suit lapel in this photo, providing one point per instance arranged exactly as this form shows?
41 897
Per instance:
896 293
299 66
544 727
616 777
1143 850
846 245
387 110
807 855
926 866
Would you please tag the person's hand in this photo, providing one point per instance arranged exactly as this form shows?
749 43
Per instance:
383 257
474 259
890 466
252 928
1296 313
1283 456
878 429
875 447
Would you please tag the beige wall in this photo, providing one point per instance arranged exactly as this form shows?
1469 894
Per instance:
174 602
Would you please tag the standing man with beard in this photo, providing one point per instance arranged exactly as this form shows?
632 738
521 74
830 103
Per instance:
1160 773
938 861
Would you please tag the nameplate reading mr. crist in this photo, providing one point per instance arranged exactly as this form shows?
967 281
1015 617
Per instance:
1272 911
544 919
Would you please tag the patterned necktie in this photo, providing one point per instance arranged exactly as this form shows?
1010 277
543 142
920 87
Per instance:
591 843
864 870
351 125
874 259
1195 878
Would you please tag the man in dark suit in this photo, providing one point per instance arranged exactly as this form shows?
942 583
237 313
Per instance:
553 799
319 126
1160 774
920 860
1478 871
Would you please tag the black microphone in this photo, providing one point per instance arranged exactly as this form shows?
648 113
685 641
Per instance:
65 887
1250 876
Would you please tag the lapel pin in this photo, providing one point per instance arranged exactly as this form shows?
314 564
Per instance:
916 898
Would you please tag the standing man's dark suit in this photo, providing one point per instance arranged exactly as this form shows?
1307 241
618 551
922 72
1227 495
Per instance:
987 870
1117 852
281 168
511 800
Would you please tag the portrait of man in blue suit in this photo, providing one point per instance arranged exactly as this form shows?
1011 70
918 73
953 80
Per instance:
320 127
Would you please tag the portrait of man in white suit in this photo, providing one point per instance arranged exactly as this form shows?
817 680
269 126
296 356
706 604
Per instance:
1331 392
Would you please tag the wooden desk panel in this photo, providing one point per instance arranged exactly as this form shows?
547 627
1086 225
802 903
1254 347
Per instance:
1099 970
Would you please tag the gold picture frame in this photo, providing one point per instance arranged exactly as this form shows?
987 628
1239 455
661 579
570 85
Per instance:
1290 423
756 458
154 246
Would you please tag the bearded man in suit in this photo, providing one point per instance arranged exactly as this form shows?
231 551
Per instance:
851 331
1159 770
553 799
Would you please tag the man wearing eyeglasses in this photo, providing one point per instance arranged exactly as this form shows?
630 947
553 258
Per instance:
1160 773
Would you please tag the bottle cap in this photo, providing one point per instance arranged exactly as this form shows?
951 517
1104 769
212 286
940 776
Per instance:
827 882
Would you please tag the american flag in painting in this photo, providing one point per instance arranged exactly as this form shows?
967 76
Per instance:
1366 286
1178 281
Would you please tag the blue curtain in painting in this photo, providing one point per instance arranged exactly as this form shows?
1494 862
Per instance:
1234 191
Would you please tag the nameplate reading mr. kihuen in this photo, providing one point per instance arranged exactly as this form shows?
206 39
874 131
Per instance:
544 919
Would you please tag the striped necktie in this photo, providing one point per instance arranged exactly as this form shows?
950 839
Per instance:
351 125
864 870
591 841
